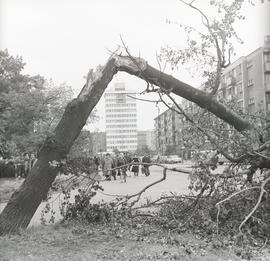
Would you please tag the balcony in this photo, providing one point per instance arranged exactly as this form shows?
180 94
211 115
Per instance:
250 82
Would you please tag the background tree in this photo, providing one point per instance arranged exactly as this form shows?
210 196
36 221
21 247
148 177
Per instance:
143 150
30 107
82 146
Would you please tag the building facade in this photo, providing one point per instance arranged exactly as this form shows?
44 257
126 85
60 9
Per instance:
247 81
121 118
168 126
146 139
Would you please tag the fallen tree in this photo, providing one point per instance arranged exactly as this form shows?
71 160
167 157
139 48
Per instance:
24 202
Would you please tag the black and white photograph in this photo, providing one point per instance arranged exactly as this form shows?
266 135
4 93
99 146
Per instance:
135 130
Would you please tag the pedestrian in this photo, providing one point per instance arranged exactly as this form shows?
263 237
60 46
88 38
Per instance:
33 160
26 164
114 171
146 159
107 166
135 168
121 171
97 162
20 167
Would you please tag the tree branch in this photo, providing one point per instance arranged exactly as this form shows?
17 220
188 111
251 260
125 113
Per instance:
257 204
169 83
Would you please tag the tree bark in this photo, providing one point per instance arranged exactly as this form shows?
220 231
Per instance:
24 202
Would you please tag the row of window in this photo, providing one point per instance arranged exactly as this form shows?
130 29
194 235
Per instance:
121 120
121 110
121 131
122 147
121 126
120 115
119 88
121 141
120 105
121 136
125 96
120 93
120 100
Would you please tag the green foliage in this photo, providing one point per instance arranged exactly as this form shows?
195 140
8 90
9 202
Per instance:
82 148
143 150
30 107
83 210
170 150
209 47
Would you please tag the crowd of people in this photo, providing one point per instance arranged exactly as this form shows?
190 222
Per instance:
113 166
116 165
17 166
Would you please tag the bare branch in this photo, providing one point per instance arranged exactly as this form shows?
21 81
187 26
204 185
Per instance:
145 100
257 204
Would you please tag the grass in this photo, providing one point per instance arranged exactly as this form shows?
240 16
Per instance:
7 187
75 241
97 242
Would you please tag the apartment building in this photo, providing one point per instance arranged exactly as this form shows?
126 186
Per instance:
98 142
121 118
146 139
167 132
247 81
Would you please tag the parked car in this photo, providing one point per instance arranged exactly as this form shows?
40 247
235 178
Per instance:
173 159
163 159
154 158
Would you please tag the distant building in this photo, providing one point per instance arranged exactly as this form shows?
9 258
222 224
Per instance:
98 142
146 138
167 136
121 118
247 80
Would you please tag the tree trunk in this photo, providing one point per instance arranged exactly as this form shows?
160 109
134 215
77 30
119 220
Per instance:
140 68
24 202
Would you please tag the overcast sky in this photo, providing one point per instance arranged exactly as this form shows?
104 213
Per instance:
63 39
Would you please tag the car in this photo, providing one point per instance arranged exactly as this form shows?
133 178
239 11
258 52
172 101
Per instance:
173 159
162 159
154 158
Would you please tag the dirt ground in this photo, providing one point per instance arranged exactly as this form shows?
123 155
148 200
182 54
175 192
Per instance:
78 242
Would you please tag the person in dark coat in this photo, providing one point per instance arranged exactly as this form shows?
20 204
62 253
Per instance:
146 159
135 168
107 166
97 162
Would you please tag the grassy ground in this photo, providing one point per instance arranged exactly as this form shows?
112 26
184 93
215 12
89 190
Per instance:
78 242
7 187
114 242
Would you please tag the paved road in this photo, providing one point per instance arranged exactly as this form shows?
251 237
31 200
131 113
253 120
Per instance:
175 182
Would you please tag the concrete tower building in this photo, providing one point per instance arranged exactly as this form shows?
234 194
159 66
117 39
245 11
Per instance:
121 118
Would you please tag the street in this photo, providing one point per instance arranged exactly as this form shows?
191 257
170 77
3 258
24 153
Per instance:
175 182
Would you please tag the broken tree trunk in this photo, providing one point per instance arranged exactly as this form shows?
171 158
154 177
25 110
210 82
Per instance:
24 202
140 68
